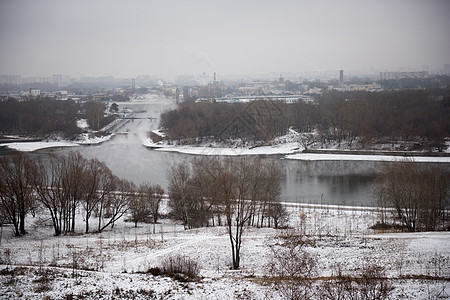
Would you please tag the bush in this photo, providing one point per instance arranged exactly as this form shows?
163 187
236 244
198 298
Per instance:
370 283
178 267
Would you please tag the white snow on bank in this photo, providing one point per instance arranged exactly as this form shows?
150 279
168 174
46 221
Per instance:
327 156
84 139
82 123
290 150
33 146
281 149
90 139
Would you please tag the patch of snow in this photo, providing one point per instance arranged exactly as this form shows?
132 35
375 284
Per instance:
279 149
33 146
318 156
82 123
159 132
90 139
147 142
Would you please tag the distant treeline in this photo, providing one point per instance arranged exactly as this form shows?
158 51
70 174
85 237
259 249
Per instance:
410 115
43 117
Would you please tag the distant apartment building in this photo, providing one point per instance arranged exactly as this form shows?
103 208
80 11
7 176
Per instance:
11 79
341 77
57 79
447 69
402 75
35 93
186 80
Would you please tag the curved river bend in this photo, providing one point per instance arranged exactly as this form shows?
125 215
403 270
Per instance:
318 182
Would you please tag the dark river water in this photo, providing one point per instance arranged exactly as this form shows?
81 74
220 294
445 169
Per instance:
318 182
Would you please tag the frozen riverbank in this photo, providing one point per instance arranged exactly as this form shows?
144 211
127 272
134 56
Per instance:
292 151
84 139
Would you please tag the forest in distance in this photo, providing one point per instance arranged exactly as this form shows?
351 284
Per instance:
420 119
45 117
360 119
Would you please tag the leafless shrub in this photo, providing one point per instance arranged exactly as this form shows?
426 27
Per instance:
437 263
5 259
292 267
43 281
180 267
371 283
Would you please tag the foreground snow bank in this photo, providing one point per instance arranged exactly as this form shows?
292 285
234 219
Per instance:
113 264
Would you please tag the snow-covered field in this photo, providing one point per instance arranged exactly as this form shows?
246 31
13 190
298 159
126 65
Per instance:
113 264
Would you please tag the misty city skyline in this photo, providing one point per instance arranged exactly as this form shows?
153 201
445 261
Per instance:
170 38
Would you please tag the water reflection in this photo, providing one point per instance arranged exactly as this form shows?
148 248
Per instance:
328 182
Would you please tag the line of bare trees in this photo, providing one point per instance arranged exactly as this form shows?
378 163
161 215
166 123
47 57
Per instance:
357 117
192 121
235 193
39 117
42 117
419 194
67 185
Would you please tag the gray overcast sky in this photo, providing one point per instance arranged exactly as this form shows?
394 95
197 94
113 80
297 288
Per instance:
130 38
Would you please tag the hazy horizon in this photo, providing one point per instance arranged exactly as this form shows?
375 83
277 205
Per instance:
168 38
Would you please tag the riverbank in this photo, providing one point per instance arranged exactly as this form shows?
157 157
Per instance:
292 151
26 145
377 152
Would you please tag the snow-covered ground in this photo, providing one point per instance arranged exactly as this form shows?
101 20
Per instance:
290 150
34 146
328 156
91 139
83 139
113 264
279 149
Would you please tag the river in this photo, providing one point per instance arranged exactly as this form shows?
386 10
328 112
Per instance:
318 182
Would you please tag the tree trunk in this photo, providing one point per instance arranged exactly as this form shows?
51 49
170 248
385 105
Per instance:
87 222
22 223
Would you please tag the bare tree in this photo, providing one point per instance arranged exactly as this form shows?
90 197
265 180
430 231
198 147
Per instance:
116 203
418 193
16 191
94 114
186 198
48 183
270 191
146 204
139 206
178 177
292 267
74 185
239 208
232 187
156 193
99 183
278 213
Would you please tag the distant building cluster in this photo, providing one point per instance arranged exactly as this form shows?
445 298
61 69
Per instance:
402 75
205 87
